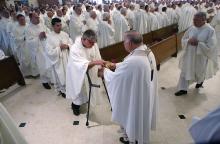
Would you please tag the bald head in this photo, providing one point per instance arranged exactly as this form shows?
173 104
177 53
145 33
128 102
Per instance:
123 11
93 14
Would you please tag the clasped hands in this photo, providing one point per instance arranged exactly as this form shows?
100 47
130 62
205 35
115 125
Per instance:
193 41
103 64
42 36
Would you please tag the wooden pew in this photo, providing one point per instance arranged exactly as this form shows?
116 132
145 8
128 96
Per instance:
10 73
114 53
165 32
148 38
164 49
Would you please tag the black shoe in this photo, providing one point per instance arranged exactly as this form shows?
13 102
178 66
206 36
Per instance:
46 85
63 94
76 109
181 92
199 85
121 139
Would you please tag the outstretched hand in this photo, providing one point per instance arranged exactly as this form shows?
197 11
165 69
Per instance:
110 65
97 62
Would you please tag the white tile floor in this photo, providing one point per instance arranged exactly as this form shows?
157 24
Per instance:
50 120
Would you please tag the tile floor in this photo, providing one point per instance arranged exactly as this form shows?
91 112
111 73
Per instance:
49 119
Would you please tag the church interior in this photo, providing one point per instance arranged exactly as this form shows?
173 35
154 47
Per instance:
34 114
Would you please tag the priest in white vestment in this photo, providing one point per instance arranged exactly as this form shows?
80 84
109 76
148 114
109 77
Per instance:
140 20
22 51
84 56
165 18
186 18
171 13
121 25
132 89
148 18
92 22
35 36
106 32
199 60
65 27
57 48
77 23
207 129
159 18
130 16
48 20
154 22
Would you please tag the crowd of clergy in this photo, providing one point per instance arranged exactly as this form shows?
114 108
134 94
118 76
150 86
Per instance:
60 44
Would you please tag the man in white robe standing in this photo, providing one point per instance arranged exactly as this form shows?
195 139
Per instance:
77 23
106 31
59 14
154 24
140 20
207 129
48 19
148 19
92 22
199 60
121 25
130 16
57 48
132 89
21 50
84 56
186 17
35 36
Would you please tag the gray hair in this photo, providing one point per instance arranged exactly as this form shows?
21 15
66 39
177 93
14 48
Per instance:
89 34
105 16
123 11
201 15
132 6
134 36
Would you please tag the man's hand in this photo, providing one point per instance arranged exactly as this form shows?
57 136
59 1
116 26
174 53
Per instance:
111 66
101 72
97 62
64 46
42 35
193 41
